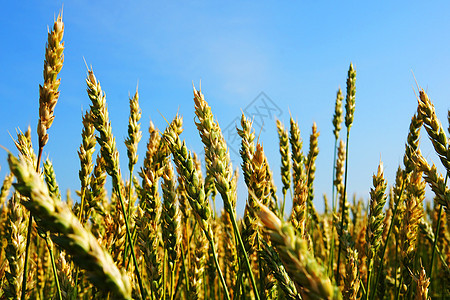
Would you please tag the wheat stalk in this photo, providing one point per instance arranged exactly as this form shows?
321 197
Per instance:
349 116
109 151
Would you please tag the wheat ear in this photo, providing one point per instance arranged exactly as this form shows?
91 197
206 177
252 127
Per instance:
412 145
375 222
435 181
285 153
48 92
310 166
85 153
55 217
278 270
434 129
6 186
299 261
15 236
422 285
413 213
297 154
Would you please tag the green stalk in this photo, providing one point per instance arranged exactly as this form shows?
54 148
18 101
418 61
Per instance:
125 253
172 281
241 244
130 240
50 249
164 274
25 266
369 277
261 277
343 206
333 204
216 262
80 213
237 286
333 200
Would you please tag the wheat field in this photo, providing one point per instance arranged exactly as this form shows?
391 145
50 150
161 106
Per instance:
158 236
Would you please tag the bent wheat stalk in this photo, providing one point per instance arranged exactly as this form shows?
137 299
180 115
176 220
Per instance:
48 97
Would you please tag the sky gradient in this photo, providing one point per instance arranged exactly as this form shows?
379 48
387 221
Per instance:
295 53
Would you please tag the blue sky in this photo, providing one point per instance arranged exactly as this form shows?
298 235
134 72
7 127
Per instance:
296 52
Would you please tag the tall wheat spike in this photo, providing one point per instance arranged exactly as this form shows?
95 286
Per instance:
48 92
85 153
349 116
285 153
375 222
297 154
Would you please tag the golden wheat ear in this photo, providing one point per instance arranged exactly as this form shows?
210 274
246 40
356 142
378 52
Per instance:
48 92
